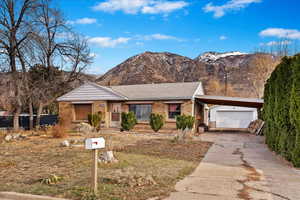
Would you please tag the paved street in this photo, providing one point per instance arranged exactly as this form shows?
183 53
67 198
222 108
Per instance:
239 166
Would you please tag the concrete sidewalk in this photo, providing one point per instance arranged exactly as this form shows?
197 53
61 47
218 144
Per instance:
21 196
239 166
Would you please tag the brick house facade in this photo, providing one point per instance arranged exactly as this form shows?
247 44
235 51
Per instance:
169 99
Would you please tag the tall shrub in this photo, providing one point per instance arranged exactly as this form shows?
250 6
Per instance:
156 121
295 111
128 121
184 122
281 109
95 120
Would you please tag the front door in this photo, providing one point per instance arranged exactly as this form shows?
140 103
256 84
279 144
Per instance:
115 115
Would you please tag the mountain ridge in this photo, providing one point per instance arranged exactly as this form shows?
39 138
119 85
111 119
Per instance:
209 67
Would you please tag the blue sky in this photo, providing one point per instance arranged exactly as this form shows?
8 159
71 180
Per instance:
119 29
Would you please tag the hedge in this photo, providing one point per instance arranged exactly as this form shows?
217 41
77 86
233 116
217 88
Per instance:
281 110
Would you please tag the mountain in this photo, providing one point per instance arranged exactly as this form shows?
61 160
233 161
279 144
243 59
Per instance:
229 73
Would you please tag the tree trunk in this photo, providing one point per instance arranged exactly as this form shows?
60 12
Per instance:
30 115
38 116
16 119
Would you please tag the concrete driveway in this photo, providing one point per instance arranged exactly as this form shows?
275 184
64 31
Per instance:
239 166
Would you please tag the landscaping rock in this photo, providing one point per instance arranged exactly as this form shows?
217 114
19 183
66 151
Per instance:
8 138
84 128
107 157
65 143
15 136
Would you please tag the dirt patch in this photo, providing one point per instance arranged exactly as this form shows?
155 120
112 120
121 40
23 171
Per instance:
192 151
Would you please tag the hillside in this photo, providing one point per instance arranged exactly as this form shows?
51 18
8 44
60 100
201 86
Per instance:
211 68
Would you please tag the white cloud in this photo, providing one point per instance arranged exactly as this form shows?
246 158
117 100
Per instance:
158 36
108 41
84 20
281 33
223 37
220 11
140 6
65 35
276 43
94 55
163 7
139 43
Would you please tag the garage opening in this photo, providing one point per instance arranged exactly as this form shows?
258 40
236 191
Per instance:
230 112
231 116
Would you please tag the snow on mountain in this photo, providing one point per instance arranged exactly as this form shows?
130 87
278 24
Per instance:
214 56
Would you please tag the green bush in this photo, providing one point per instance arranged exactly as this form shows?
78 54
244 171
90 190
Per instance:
281 110
128 121
95 120
184 121
156 121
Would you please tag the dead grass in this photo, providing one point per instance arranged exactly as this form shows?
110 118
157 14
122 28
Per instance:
24 163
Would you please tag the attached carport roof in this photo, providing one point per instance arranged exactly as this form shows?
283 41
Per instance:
230 101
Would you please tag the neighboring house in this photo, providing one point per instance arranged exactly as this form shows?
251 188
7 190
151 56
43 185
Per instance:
231 116
169 99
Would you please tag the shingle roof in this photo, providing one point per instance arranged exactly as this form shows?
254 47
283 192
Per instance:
161 91
183 90
91 92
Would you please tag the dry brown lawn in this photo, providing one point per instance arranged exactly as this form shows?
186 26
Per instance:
24 163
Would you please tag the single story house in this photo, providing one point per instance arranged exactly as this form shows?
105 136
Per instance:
231 116
169 99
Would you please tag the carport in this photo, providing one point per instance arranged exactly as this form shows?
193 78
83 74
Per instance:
230 101
230 112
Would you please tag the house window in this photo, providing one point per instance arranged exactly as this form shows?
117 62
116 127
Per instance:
82 111
174 110
141 111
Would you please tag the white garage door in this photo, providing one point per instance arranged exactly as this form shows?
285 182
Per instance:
233 119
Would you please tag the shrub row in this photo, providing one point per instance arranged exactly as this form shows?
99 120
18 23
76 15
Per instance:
281 110
157 121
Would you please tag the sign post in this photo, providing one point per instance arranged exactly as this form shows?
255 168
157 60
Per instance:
95 171
94 144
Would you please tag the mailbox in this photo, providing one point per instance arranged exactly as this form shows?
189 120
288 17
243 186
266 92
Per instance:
95 143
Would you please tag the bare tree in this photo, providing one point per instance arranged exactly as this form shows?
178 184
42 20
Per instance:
15 29
61 52
215 87
34 34
261 68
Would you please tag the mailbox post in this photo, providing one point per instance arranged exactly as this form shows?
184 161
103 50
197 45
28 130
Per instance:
95 144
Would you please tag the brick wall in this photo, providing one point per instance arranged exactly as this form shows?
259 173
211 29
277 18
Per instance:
161 107
66 114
